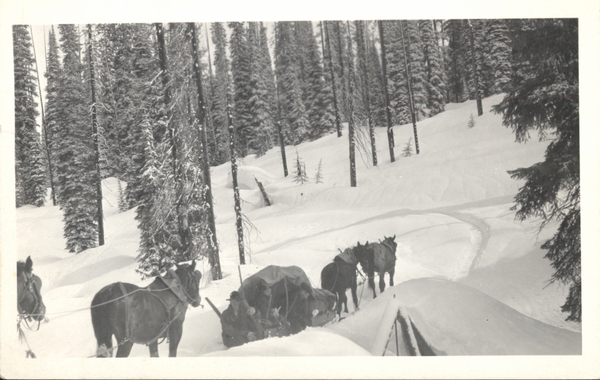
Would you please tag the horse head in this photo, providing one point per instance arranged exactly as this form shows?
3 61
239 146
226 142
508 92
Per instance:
391 242
29 298
190 281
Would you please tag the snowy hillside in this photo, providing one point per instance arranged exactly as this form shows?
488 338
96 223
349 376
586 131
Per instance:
472 279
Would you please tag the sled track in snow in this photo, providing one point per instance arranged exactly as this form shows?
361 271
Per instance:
478 224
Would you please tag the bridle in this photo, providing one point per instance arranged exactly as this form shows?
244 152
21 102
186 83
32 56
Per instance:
196 277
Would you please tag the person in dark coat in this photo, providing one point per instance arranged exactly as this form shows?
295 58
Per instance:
298 316
238 327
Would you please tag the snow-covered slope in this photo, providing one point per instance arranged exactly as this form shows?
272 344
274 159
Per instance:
449 208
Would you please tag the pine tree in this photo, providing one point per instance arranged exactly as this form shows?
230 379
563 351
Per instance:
289 78
407 152
320 114
456 64
543 95
471 123
74 151
261 134
241 74
434 84
497 58
319 175
30 166
300 176
52 74
221 85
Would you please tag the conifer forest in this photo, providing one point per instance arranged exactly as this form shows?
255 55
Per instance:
156 105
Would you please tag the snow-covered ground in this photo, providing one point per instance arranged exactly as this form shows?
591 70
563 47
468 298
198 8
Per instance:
472 278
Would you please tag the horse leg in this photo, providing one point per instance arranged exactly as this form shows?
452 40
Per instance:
124 349
381 282
354 297
392 276
153 347
175 332
344 300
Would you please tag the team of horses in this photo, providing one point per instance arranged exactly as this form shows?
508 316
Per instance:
145 315
340 275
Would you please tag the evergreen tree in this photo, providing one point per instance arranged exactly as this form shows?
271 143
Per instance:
74 151
300 176
260 137
241 75
319 175
30 166
267 72
320 115
456 64
471 123
221 88
497 56
432 63
416 72
52 75
543 95
407 152
289 81
375 77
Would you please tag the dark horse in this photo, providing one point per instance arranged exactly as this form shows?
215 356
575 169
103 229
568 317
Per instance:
380 258
145 315
341 275
29 299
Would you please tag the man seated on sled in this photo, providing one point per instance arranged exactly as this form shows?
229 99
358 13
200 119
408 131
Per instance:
238 325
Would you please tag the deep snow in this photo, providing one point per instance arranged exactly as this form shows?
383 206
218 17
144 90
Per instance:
471 277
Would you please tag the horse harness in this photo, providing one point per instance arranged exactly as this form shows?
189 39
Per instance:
31 287
129 329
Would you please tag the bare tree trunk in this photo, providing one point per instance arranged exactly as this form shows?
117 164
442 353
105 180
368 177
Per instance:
338 123
100 214
351 138
236 190
411 99
200 115
388 112
279 132
44 126
475 73
360 33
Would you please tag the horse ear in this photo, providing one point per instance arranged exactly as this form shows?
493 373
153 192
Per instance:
28 264
358 244
394 238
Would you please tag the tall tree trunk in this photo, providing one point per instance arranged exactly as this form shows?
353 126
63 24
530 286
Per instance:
209 117
388 112
279 131
363 41
338 124
44 126
475 71
200 115
100 214
166 79
411 98
351 138
236 190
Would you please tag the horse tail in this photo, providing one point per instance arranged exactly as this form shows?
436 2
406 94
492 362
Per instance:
101 319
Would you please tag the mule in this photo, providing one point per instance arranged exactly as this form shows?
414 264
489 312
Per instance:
29 297
340 275
380 258
144 315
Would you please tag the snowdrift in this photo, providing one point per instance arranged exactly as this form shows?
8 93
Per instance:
455 319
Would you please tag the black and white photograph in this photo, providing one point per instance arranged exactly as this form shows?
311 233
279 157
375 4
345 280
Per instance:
255 190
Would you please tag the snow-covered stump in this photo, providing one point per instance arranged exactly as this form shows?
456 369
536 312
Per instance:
395 312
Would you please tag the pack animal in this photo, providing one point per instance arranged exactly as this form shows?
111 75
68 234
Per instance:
340 275
380 258
29 297
144 315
